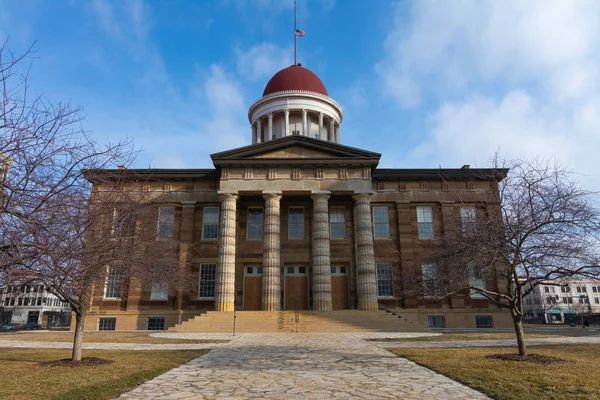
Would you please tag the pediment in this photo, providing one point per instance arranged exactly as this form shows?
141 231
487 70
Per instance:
295 149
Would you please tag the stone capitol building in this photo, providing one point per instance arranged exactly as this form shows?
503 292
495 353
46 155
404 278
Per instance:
298 226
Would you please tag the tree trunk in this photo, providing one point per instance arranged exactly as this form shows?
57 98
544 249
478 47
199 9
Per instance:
78 340
518 324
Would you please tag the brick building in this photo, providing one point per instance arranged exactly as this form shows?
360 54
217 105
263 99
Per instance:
299 221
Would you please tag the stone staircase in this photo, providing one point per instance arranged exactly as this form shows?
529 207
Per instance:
302 322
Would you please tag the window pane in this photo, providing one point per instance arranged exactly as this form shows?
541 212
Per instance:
429 272
437 321
166 222
381 225
107 324
156 324
484 321
122 223
159 291
337 223
296 223
114 281
210 223
468 217
476 278
207 280
255 223
425 222
385 287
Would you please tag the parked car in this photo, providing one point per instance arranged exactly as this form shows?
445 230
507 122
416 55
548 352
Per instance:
32 325
13 326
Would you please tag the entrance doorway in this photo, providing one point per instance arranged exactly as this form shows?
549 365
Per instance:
339 287
252 287
296 288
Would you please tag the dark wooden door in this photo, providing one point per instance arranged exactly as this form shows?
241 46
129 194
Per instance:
253 288
296 288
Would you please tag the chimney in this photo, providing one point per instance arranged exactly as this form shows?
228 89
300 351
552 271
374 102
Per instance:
121 167
466 166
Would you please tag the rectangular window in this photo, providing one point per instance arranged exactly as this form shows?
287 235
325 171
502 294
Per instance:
337 223
160 291
385 285
296 223
484 321
570 300
468 218
207 281
107 324
477 279
210 222
594 289
156 324
425 222
122 225
165 225
114 281
546 289
430 281
437 321
255 223
596 300
381 223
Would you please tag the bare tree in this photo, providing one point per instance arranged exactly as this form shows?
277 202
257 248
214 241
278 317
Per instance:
542 227
54 229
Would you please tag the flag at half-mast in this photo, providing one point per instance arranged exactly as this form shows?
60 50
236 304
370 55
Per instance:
300 32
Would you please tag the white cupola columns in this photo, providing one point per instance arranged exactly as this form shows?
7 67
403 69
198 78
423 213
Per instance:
295 112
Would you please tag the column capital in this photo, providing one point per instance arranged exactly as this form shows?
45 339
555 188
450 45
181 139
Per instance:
271 194
270 115
365 195
227 195
319 194
286 111
304 111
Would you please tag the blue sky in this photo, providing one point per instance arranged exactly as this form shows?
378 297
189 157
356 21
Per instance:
425 83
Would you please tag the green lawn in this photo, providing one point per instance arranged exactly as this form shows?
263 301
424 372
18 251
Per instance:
22 378
578 378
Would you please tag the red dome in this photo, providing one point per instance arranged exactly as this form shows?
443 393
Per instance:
295 77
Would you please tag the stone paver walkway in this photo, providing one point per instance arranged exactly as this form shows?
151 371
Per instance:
107 346
306 366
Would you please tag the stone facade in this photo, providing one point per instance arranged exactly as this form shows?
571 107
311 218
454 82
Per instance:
291 260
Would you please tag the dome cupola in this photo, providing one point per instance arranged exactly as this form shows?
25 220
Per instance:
295 102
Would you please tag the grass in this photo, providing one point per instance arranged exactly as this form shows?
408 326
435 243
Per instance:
578 378
98 337
22 378
465 336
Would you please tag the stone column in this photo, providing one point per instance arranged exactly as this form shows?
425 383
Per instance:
337 133
186 234
253 133
225 285
271 281
270 127
258 131
321 125
304 122
365 259
331 133
321 262
287 122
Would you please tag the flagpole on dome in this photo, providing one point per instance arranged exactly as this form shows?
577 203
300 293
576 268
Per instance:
295 36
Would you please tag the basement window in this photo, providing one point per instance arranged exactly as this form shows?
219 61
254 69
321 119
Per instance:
107 324
436 321
156 324
484 321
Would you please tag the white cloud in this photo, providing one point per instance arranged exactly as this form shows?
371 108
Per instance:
263 60
522 76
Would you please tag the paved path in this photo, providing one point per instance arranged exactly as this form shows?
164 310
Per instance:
107 346
306 366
